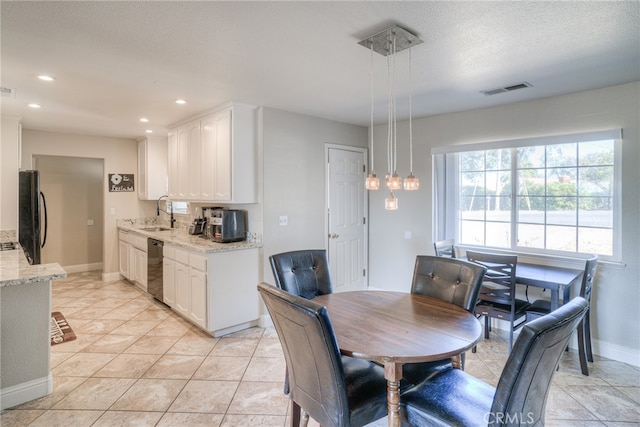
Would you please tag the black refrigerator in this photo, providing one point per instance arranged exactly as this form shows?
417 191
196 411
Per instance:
32 215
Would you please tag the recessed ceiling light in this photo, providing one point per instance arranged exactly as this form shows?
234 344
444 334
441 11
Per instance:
46 78
148 131
144 120
180 101
32 105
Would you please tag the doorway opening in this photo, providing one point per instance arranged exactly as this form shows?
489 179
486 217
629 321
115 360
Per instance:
74 190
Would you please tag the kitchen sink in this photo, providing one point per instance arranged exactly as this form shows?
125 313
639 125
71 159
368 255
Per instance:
155 229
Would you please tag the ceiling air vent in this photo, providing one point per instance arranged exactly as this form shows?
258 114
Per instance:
510 88
7 92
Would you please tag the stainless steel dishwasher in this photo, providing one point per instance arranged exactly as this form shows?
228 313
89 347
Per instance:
154 268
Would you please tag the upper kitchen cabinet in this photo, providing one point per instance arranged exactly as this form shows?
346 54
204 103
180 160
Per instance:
212 159
152 167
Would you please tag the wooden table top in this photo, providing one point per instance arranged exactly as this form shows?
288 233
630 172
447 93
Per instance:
399 327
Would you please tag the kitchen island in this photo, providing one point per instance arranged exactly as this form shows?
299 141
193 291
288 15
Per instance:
212 285
25 326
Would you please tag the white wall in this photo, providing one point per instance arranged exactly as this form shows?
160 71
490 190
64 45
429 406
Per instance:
9 152
294 178
120 156
616 300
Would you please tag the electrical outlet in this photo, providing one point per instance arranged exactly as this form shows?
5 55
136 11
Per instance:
283 220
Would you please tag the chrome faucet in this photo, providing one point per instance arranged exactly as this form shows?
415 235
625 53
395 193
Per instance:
158 210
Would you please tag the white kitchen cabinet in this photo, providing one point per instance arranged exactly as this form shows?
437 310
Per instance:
182 282
216 156
168 276
198 291
132 258
152 167
215 291
217 160
172 164
187 161
140 275
123 254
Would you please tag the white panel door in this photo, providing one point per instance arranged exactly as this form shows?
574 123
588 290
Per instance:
346 219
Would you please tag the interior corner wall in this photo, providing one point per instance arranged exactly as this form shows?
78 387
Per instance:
616 298
294 178
120 156
9 158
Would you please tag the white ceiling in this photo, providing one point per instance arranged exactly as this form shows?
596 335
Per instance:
115 62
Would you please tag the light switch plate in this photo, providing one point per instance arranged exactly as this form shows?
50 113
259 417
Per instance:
283 220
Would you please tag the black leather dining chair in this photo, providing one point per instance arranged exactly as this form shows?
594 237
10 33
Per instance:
542 307
303 273
445 248
497 297
334 392
448 279
454 398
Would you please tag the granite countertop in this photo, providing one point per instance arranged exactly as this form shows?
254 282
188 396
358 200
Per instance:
16 270
181 237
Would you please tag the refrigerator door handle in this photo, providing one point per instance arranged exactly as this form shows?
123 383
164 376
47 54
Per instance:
44 206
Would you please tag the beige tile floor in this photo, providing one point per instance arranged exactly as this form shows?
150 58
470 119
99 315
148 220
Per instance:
136 363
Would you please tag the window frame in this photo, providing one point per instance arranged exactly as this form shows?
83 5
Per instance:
446 219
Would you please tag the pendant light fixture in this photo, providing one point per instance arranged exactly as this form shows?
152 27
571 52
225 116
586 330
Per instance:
388 43
372 182
411 182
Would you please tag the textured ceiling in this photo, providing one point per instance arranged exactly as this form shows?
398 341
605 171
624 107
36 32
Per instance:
115 62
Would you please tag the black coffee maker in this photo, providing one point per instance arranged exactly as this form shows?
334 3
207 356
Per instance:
202 218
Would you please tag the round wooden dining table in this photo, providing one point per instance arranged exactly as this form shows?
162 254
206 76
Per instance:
394 328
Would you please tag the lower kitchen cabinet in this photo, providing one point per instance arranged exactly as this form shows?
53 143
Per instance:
133 258
198 292
168 278
123 254
215 291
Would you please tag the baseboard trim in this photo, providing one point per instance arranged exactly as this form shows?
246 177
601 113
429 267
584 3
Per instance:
616 352
81 268
231 329
265 321
600 348
25 392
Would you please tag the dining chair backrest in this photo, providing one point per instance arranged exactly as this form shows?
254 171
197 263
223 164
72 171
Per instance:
451 280
588 277
302 273
454 397
316 373
445 248
524 385
501 269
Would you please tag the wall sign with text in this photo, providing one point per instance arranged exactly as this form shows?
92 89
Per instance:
120 182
